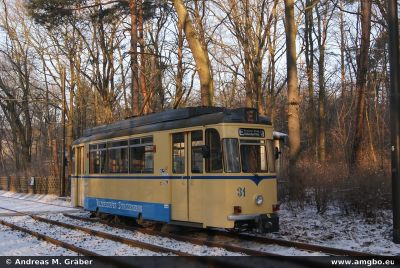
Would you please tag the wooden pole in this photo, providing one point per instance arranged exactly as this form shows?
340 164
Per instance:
393 23
62 180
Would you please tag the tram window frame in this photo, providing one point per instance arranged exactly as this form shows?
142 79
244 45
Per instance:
144 148
214 162
231 155
74 169
178 153
118 157
196 148
99 150
77 158
249 145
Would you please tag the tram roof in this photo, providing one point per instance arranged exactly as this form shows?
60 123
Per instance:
173 119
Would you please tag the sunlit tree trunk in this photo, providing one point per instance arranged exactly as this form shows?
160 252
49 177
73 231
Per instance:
309 55
134 58
293 96
362 70
323 18
199 54
180 71
142 68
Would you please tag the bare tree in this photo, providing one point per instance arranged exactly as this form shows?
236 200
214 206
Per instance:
362 71
199 54
292 83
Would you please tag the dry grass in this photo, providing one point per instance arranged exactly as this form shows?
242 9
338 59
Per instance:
364 191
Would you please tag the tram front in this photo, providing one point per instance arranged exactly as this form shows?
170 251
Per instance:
249 161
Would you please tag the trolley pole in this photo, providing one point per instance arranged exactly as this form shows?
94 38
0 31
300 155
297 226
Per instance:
62 179
393 24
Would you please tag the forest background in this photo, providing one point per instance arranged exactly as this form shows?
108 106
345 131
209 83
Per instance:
318 68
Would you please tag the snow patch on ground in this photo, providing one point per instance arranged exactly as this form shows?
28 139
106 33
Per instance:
333 229
50 199
150 239
14 243
32 203
80 239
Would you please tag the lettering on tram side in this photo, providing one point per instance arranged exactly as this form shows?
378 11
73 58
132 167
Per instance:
119 205
106 204
131 207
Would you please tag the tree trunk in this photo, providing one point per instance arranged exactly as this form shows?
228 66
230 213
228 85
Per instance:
321 38
293 96
70 117
199 54
362 70
134 58
309 55
342 51
142 68
180 71
321 107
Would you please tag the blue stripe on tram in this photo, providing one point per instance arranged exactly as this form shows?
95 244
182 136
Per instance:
256 179
149 211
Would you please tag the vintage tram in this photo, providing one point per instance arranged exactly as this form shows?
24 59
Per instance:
196 166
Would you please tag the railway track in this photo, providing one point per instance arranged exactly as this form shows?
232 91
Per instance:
115 262
176 236
181 238
287 243
81 251
221 235
103 235
210 232
252 238
216 242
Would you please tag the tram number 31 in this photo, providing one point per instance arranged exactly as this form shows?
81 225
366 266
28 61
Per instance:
241 191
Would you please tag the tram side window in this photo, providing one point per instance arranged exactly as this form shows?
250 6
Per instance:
178 153
231 155
73 161
141 155
213 142
97 158
197 152
118 158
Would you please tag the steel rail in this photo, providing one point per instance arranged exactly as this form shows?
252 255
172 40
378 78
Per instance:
307 262
262 240
112 260
298 245
115 238
182 238
59 243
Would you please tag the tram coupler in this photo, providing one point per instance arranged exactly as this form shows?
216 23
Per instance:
267 223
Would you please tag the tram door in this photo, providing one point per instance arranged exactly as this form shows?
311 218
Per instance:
179 183
187 163
80 167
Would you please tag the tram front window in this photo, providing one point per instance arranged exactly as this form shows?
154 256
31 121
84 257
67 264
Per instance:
254 158
231 155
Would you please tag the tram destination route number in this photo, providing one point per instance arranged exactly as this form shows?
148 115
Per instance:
251 132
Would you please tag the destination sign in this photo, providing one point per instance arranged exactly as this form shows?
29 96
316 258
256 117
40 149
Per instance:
251 132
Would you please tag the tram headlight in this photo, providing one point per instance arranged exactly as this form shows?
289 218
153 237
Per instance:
259 200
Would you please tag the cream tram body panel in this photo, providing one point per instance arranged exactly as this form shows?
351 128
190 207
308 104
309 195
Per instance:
203 198
212 196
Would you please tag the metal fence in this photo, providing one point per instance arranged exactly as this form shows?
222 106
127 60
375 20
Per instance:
36 185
